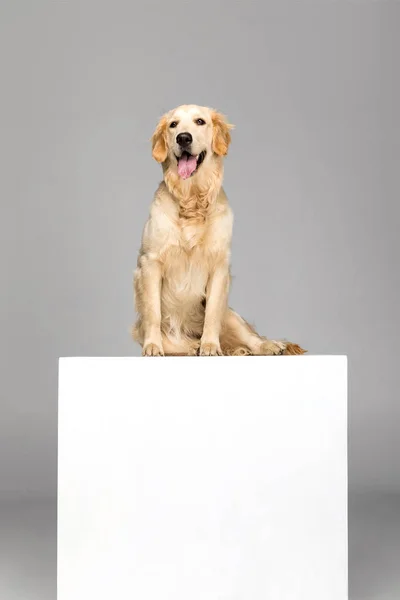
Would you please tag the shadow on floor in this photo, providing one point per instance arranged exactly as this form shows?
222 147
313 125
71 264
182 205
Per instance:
28 549
374 546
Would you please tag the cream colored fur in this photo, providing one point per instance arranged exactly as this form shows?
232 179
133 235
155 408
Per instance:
182 279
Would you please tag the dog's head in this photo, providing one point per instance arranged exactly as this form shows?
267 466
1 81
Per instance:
190 136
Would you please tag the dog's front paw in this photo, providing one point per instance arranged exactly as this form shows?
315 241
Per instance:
194 349
210 349
151 349
272 348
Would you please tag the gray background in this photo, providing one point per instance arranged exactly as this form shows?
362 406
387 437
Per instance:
312 176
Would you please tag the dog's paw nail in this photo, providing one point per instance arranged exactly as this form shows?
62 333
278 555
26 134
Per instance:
210 349
152 350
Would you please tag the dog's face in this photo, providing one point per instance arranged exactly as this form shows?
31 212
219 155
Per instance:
188 136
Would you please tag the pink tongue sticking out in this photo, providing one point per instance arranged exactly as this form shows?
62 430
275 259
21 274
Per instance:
186 165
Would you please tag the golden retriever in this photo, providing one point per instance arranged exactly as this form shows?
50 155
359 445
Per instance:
182 279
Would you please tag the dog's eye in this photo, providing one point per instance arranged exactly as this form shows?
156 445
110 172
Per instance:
173 124
200 122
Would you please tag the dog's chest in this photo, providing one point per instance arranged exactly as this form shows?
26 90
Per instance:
187 262
185 273
192 235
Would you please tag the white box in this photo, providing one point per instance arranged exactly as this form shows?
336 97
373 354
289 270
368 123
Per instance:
215 478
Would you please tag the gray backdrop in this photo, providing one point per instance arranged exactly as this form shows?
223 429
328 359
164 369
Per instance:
312 177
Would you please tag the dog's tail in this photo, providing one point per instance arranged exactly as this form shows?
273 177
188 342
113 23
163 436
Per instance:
293 349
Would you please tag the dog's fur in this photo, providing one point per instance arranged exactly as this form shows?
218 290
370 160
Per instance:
182 279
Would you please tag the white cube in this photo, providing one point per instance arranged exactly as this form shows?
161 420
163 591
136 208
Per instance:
204 478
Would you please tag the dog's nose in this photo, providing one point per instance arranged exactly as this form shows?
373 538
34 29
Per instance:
184 139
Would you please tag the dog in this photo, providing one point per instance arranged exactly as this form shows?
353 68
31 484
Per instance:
182 279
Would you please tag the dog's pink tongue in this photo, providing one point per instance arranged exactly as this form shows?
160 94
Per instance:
186 166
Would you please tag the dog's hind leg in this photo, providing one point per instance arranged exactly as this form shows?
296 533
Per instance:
238 338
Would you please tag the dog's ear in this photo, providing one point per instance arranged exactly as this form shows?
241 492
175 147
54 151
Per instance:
221 133
159 141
